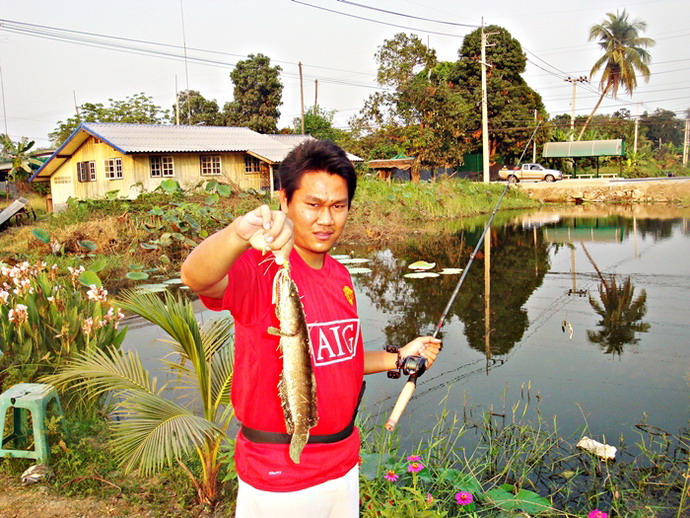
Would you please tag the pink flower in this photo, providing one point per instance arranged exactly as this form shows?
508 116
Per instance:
391 476
414 458
463 498
596 513
429 498
415 467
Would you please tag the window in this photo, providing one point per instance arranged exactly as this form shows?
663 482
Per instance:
161 166
251 164
210 164
86 171
113 169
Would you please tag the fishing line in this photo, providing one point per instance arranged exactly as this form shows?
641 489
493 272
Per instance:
408 389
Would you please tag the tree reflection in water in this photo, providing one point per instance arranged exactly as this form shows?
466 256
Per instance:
412 307
621 315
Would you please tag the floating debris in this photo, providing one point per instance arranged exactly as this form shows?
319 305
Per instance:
451 271
567 326
420 275
421 265
603 451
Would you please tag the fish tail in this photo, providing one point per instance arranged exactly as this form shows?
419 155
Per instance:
297 444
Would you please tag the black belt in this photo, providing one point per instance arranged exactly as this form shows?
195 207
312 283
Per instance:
262 436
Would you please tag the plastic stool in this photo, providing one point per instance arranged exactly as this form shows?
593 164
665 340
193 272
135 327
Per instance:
34 398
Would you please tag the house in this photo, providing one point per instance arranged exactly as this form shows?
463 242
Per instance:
131 158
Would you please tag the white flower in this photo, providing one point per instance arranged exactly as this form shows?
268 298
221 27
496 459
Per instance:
87 326
97 294
18 315
4 295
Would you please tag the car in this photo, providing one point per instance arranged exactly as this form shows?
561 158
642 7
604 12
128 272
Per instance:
530 172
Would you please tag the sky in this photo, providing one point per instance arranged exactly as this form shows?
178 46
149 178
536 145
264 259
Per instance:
55 54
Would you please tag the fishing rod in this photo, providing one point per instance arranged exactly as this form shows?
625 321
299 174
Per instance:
415 366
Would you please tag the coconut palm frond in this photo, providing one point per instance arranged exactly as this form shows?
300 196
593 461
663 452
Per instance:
174 316
216 334
104 370
155 432
221 376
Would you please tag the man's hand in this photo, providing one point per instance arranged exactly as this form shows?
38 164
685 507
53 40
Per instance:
427 347
268 231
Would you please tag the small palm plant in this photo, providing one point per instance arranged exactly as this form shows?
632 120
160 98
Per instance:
153 431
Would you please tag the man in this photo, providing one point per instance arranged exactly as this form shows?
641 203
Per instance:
234 269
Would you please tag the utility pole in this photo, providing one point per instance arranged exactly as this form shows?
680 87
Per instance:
485 110
574 81
686 142
534 142
301 93
637 126
177 103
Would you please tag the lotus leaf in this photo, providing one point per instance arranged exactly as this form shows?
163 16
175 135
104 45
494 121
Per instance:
421 265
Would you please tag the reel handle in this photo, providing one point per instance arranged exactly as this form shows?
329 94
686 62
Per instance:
404 398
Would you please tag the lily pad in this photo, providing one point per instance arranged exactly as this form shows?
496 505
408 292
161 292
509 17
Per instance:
359 270
89 278
153 288
173 281
450 271
420 275
340 257
421 265
137 276
354 260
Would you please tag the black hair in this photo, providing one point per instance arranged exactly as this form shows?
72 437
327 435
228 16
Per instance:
316 155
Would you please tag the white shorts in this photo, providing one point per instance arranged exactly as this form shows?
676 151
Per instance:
338 498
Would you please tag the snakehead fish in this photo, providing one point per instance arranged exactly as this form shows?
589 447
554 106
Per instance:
297 386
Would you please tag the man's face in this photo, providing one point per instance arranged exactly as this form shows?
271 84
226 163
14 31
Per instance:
318 209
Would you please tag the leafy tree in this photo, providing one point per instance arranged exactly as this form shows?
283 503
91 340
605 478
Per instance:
625 56
139 108
423 114
663 127
511 102
318 122
157 431
196 110
257 95
21 157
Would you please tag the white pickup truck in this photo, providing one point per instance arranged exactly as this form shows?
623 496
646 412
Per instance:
530 172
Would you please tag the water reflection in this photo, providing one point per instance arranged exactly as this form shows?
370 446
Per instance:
621 315
518 264
630 292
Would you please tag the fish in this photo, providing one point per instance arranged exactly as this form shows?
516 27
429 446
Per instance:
297 385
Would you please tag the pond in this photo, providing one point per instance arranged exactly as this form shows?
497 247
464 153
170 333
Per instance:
577 316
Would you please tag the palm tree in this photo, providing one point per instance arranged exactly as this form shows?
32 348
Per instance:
624 57
153 431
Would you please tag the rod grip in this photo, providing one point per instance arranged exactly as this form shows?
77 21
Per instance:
401 403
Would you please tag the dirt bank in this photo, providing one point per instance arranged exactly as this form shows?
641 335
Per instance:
663 190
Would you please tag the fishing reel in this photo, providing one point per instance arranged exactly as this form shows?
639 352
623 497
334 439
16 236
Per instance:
413 366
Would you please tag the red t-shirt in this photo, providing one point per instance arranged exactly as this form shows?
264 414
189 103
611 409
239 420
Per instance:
337 359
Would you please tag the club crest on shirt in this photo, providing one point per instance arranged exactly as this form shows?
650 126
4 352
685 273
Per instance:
349 295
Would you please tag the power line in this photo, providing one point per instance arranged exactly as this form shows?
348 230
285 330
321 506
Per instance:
456 24
377 21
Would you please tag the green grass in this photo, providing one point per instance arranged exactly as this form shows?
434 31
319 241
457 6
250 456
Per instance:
533 461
